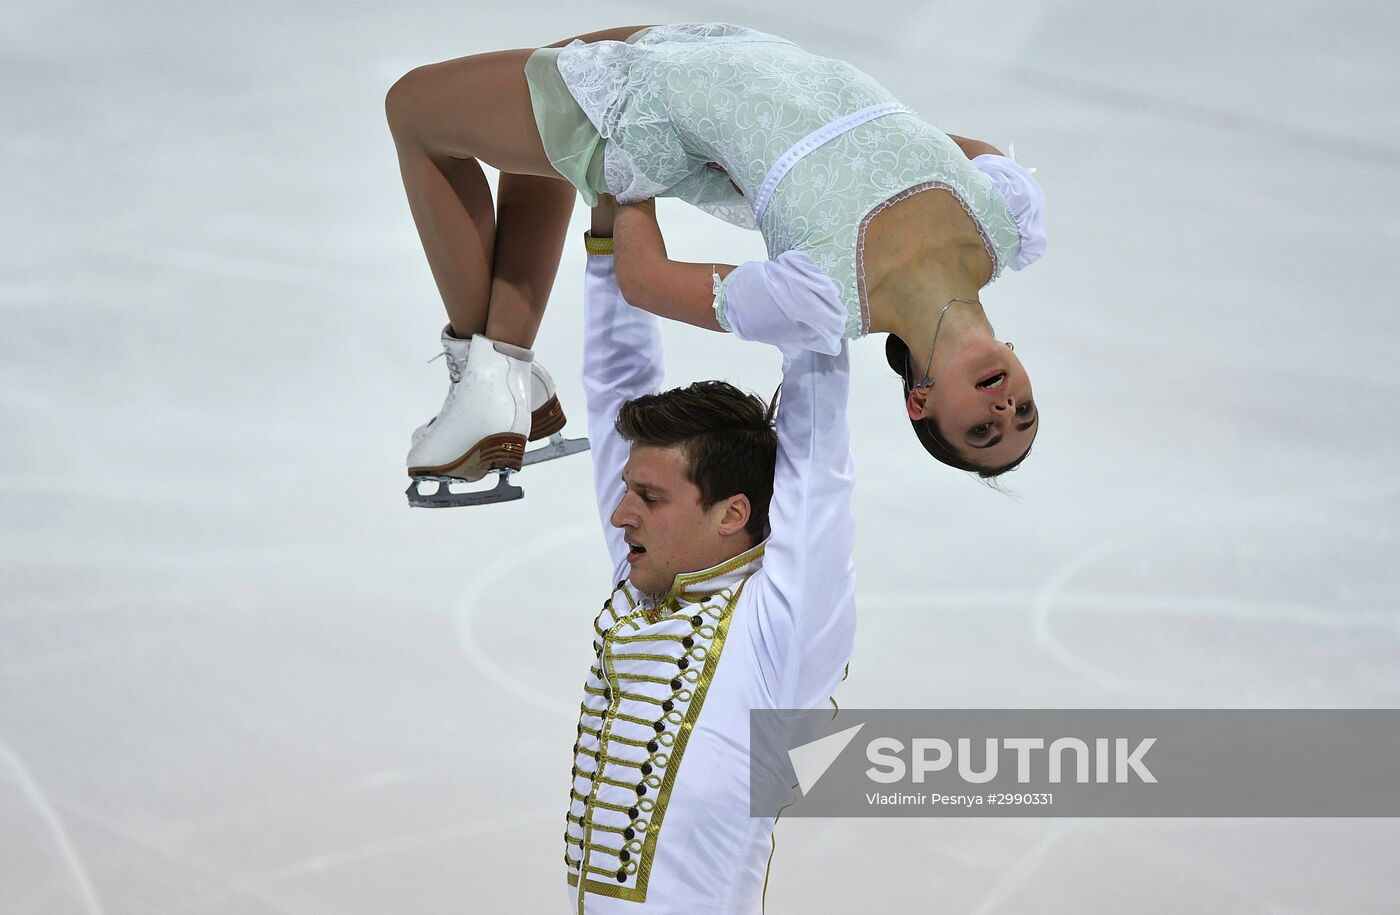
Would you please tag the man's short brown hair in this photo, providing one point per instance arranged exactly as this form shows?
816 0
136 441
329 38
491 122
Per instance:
728 437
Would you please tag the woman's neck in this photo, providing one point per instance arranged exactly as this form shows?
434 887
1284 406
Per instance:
908 301
919 254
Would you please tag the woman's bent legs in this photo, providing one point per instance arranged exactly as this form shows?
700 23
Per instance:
493 267
444 117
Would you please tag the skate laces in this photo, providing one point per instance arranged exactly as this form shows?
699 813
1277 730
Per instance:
454 366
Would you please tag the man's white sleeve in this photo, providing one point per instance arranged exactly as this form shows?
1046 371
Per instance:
622 359
805 606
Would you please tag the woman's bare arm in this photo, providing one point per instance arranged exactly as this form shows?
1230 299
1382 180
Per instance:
974 148
651 281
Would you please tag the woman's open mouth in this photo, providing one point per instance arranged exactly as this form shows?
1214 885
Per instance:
994 380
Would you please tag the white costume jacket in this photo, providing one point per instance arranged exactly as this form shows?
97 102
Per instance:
658 817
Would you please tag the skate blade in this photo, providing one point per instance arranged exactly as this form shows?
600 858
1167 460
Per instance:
444 497
558 447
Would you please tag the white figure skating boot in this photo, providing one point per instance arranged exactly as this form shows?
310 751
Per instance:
498 398
547 418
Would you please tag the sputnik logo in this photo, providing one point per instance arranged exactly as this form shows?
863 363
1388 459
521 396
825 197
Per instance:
811 760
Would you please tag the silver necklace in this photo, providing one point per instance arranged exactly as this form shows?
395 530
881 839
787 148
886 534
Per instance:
927 382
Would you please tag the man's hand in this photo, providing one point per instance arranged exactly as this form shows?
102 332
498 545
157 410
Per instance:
604 214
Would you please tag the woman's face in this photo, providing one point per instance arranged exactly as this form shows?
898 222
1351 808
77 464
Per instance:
982 403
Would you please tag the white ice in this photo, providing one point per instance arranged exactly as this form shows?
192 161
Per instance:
239 675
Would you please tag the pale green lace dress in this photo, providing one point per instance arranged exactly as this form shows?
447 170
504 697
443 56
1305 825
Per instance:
671 99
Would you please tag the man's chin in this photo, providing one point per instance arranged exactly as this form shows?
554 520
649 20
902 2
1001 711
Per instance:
645 583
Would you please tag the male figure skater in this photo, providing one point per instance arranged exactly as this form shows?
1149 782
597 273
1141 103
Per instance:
708 619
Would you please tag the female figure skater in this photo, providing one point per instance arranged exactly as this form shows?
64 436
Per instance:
816 155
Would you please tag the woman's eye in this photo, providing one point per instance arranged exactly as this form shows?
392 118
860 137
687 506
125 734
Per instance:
981 430
1023 409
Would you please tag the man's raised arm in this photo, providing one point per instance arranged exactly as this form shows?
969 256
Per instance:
622 359
806 610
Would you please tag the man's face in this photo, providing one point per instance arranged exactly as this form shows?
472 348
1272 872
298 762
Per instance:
665 527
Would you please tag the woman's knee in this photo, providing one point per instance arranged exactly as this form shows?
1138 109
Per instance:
477 106
405 101
397 101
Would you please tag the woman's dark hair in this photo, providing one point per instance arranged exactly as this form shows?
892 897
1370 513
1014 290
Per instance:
897 355
728 436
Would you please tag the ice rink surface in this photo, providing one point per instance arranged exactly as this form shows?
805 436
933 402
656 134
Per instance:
238 675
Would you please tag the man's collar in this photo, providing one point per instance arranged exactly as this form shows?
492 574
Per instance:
690 587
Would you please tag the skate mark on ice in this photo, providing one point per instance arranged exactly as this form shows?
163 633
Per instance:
1052 592
1216 871
355 854
1136 602
287 273
1017 875
499 573
949 600
1013 878
175 852
275 804
1275 131
71 859
1044 602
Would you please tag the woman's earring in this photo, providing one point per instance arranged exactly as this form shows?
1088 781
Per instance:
1011 346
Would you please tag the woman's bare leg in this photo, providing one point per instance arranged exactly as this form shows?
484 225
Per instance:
494 267
532 218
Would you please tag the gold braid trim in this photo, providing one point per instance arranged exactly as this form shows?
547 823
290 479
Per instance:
646 678
663 658
638 893
628 740
657 637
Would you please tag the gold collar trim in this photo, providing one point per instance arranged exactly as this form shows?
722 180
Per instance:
686 581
